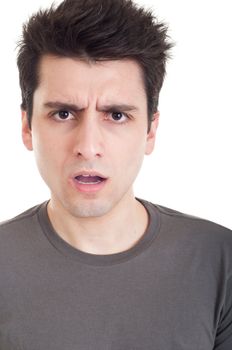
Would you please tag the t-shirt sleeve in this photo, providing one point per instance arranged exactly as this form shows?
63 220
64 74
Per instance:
223 340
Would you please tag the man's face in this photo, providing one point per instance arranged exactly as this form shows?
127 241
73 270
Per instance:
89 132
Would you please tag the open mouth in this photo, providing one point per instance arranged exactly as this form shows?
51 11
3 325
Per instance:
89 179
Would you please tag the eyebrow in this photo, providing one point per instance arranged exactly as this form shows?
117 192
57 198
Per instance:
62 105
118 107
105 108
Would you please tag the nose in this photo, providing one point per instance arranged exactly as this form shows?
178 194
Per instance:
89 138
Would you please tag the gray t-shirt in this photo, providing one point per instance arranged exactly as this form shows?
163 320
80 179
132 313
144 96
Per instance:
172 291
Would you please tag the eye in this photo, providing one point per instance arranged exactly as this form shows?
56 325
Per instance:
63 115
119 117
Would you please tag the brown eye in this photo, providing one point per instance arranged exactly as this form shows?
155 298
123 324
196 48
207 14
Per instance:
63 114
117 116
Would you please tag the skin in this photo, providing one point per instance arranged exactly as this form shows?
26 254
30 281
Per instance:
91 139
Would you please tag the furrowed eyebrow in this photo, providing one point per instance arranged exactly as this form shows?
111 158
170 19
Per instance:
104 108
118 107
62 105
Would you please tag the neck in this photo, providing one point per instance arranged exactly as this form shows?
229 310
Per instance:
117 231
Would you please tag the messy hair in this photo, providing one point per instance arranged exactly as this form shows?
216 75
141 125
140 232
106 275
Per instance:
94 30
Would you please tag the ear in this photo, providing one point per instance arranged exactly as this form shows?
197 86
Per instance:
26 132
151 136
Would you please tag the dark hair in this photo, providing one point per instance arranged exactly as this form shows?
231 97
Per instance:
94 30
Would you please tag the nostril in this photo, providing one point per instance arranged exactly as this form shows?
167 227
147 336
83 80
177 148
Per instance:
85 155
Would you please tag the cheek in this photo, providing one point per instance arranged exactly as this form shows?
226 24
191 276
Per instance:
130 152
48 153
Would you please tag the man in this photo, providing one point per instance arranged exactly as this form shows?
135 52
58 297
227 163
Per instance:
94 267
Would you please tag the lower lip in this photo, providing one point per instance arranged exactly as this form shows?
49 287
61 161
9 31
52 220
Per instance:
88 188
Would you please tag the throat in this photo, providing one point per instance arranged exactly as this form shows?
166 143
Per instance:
102 236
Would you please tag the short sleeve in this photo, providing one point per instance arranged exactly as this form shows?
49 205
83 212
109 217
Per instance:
223 340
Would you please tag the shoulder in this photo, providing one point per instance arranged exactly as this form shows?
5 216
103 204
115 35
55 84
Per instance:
186 227
20 238
191 222
20 225
194 239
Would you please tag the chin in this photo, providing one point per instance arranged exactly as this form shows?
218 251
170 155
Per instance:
88 210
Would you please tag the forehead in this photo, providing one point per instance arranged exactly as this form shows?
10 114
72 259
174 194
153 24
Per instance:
70 77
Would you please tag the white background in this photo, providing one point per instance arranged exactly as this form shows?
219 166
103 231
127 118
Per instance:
190 169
